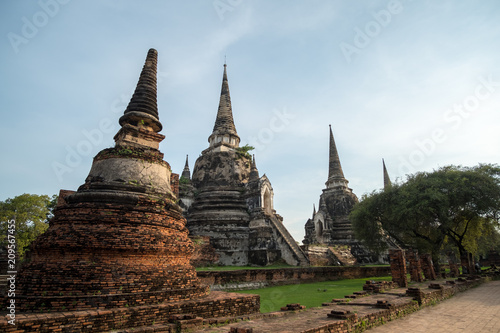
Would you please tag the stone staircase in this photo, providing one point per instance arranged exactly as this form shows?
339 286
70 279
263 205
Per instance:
290 244
343 254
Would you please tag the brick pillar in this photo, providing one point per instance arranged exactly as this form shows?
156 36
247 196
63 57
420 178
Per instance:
415 268
398 267
427 266
174 184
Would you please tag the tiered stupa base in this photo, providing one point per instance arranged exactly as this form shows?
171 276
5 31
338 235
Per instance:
103 255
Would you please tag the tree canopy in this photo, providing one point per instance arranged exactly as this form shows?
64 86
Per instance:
31 213
454 206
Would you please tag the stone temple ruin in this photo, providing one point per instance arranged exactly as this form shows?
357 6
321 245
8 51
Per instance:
116 253
227 201
330 225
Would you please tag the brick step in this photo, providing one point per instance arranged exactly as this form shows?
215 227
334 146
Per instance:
158 328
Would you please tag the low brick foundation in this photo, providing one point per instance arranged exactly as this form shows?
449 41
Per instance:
217 304
259 278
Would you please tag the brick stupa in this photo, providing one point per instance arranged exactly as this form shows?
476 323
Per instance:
120 242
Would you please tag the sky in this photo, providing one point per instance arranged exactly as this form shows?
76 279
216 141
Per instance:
414 82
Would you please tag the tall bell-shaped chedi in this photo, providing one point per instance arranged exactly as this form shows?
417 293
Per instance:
233 206
330 225
120 240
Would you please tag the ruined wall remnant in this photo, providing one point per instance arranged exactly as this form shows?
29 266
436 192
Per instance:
398 267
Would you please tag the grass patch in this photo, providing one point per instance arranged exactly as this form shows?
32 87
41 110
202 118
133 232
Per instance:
308 294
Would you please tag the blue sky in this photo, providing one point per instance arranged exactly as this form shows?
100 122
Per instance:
414 82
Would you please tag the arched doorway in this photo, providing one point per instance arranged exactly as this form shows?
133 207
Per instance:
268 202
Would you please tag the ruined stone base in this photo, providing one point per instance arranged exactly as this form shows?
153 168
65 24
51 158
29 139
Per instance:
217 304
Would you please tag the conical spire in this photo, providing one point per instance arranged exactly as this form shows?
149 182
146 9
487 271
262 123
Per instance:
254 172
224 132
186 173
335 173
142 109
387 180
224 123
314 210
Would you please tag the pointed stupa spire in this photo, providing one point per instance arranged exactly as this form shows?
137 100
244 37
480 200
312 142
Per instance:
142 109
186 173
224 130
387 180
254 172
140 123
335 173
314 210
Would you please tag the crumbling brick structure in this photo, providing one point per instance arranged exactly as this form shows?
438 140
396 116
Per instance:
120 239
427 266
120 242
398 267
415 268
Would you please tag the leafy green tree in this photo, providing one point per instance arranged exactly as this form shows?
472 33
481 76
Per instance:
31 213
455 205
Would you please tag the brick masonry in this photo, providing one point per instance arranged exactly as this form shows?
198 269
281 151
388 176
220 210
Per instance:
415 267
103 255
398 267
217 304
427 266
246 279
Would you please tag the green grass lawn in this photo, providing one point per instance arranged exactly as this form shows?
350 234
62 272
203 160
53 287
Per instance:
310 294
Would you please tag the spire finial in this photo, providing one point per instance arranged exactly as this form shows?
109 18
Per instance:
387 180
224 129
335 173
254 172
142 107
314 210
186 173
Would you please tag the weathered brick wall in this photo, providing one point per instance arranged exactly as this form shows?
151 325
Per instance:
284 276
427 266
204 253
438 292
109 255
174 184
415 268
398 267
217 304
